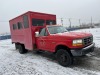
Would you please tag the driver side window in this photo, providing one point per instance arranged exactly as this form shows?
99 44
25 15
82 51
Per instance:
43 32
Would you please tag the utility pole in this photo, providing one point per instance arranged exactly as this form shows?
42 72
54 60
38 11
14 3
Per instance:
91 21
80 22
99 22
70 22
62 21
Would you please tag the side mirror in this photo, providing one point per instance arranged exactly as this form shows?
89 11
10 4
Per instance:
36 34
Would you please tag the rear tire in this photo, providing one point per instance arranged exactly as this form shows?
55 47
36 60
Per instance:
64 58
16 45
22 49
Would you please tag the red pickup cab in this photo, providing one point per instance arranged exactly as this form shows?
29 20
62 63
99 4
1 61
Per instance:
38 31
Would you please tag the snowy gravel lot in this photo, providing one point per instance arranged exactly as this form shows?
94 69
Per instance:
13 63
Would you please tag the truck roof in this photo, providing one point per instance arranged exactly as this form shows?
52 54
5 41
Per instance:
32 12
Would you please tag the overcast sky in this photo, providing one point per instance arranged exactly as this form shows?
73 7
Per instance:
74 9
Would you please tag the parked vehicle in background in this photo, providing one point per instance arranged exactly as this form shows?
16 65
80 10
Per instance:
39 31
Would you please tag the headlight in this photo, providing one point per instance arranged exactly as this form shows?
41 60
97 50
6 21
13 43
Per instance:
77 42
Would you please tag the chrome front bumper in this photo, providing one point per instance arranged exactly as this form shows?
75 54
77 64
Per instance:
83 51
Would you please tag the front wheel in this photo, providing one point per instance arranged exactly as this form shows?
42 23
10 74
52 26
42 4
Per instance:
64 58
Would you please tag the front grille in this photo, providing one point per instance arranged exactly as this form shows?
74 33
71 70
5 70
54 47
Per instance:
88 40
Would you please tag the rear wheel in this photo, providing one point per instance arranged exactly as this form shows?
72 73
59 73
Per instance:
64 58
16 45
22 49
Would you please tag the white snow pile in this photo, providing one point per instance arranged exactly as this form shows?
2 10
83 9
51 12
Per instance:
13 63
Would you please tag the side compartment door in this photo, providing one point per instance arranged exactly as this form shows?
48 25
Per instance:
27 33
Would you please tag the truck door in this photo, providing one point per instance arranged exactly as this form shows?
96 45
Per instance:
43 39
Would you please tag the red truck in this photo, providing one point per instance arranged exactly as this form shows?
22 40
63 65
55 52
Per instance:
38 31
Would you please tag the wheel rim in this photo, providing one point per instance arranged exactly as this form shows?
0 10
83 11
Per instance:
20 49
63 58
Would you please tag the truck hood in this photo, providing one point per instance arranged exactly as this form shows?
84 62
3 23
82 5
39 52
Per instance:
74 35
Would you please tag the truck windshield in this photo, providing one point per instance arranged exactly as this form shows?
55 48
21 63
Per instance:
57 29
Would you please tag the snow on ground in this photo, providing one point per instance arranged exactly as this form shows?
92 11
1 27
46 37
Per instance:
13 63
96 34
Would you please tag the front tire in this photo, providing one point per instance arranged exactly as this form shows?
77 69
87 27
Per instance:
64 58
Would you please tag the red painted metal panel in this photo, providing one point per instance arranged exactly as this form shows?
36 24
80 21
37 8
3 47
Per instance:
26 36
